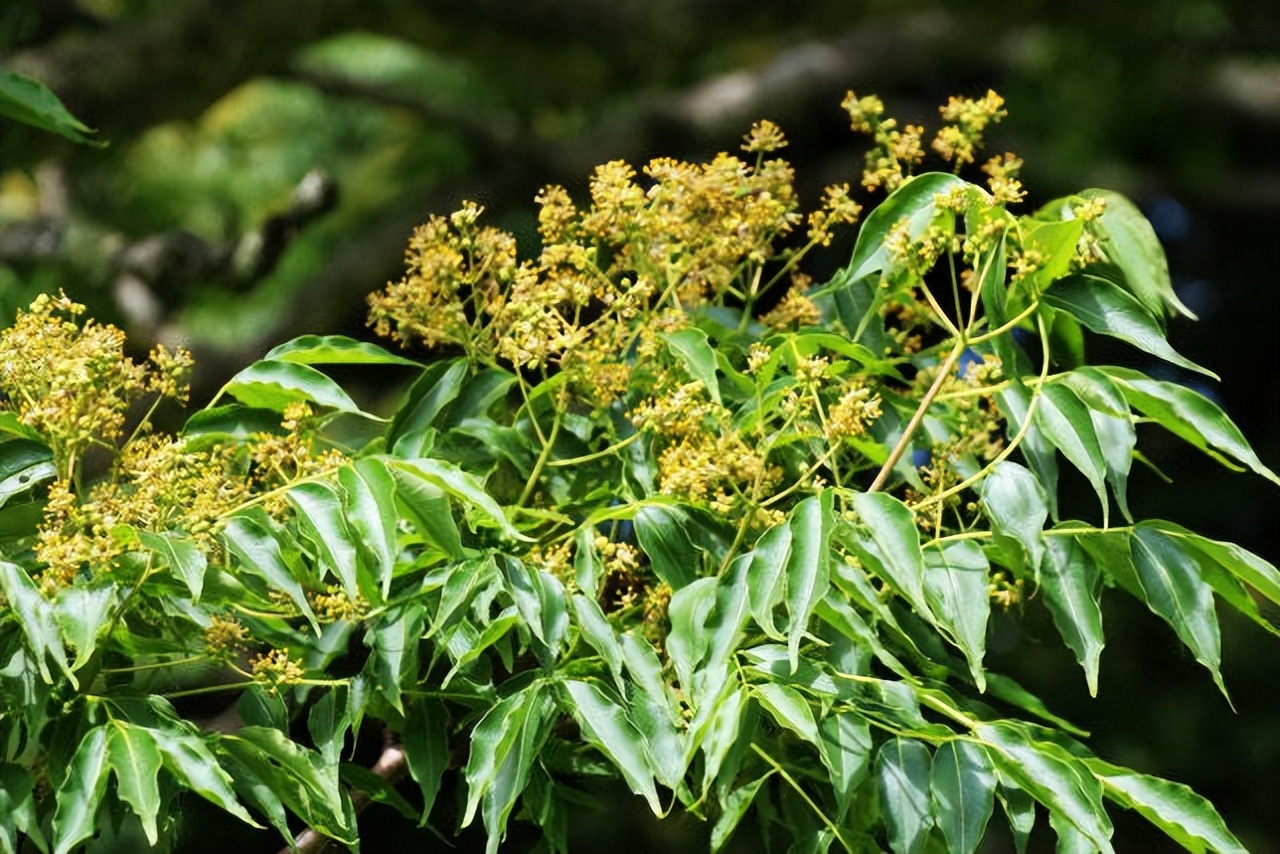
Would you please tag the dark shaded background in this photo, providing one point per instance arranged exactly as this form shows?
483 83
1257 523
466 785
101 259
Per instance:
269 158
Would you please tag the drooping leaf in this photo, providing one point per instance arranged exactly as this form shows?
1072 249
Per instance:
1191 416
81 792
274 384
462 486
1020 810
1072 586
18 809
379 789
844 745
789 708
732 809
687 641
37 618
394 638
1015 504
1113 424
81 612
963 784
955 585
1015 404
184 557
135 761
1065 420
808 574
597 632
1172 586
1099 302
1052 776
667 536
189 760
425 740
304 767
259 550
1187 818
319 511
29 101
334 350
691 347
605 725
498 739
259 707
1243 564
368 496
902 778
1129 241
767 578
651 709
889 543
426 506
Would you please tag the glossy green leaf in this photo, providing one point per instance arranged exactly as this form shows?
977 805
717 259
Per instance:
1020 810
461 485
24 465
259 550
1055 242
1015 504
305 767
184 558
808 575
29 101
723 732
437 387
12 425
915 202
81 792
1249 568
687 641
394 638
1172 586
962 783
1052 776
189 760
1095 299
844 745
767 578
651 709
425 741
732 809
81 612
257 706
955 586
597 632
889 543
1008 690
902 779
37 618
666 534
691 347
273 384
426 506
1184 816
509 735
1072 586
1130 243
1065 421
230 423
18 809
135 761
379 789
368 496
789 708
1113 424
1015 405
1189 415
605 725
320 513
334 350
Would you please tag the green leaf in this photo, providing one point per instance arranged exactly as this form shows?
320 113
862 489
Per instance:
368 495
539 597
1187 818
664 534
426 507
889 544
29 101
1020 810
687 641
1055 242
184 558
317 778
1190 416
955 585
721 734
963 784
230 423
1052 776
425 740
844 745
462 486
767 578
257 706
18 809
1098 301
1172 586
379 789
1008 690
914 202
394 638
81 612
514 771
652 710
691 347
1130 243
1015 403
902 779
189 760
789 708
596 631
334 350
605 725
259 550
498 735
12 425
1015 503
808 575
135 760
37 618
81 792
1065 420
1113 424
732 808
1241 563
274 384
320 514
1072 586
24 465
437 387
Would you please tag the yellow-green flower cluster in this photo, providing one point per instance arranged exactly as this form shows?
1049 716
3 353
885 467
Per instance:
896 152
965 121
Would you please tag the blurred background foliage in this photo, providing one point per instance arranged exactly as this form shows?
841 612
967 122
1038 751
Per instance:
268 159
